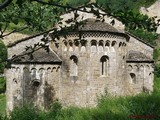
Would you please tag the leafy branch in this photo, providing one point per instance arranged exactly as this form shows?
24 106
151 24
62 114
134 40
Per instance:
5 4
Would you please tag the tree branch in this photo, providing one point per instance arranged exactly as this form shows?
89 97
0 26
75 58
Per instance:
65 6
15 30
5 4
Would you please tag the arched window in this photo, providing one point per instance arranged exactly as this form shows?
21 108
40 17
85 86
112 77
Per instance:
130 67
120 44
133 77
64 46
76 43
70 46
18 74
93 46
142 72
83 45
73 66
107 45
150 78
136 68
34 74
113 46
41 73
113 43
104 65
100 46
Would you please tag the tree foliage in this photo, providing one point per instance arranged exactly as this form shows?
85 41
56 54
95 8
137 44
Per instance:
40 15
3 56
127 11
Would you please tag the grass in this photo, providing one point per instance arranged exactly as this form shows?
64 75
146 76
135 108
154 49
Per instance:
2 103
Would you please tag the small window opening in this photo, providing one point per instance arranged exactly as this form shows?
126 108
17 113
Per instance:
133 77
101 46
104 64
73 66
36 83
93 46
113 43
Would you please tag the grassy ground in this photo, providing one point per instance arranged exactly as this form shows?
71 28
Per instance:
2 103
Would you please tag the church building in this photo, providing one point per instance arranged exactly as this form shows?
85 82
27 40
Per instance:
98 58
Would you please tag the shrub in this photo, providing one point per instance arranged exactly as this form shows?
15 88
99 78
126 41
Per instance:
75 3
3 56
2 85
26 112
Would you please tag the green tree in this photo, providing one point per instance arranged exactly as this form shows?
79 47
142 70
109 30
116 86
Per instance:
3 56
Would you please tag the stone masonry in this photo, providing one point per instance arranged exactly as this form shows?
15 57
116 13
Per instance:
95 59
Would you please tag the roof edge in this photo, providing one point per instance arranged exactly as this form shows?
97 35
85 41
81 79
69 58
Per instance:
27 38
142 61
139 39
115 33
56 62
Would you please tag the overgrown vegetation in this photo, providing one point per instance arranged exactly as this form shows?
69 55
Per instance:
2 105
108 108
127 11
3 56
2 85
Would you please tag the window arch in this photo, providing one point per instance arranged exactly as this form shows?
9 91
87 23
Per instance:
142 72
136 68
114 43
34 74
130 67
104 65
93 46
123 44
70 46
113 46
107 45
73 65
76 43
64 47
83 45
120 44
100 46
133 77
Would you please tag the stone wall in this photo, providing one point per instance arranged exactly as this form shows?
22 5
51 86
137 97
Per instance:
137 45
140 77
90 67
83 88
33 83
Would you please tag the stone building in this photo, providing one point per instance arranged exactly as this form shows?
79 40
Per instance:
87 62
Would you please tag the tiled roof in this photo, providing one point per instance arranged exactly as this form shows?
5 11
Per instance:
92 24
39 56
138 56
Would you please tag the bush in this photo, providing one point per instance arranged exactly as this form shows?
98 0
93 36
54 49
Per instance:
75 3
2 104
27 112
3 56
2 85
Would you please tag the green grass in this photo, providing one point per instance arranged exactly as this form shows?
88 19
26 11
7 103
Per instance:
2 95
2 103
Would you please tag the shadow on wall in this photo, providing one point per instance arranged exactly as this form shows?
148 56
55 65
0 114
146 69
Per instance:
49 95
